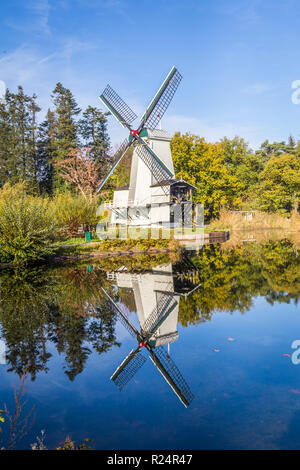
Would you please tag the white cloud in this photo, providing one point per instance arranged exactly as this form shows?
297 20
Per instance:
258 89
20 65
38 72
211 132
41 8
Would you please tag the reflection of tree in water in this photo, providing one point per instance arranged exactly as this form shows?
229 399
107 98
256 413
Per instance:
230 279
126 296
100 331
23 316
63 306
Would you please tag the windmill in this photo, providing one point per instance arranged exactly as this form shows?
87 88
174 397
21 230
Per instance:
159 356
153 187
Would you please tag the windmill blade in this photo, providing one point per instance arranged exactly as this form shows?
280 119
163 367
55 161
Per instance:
164 308
120 110
161 100
172 374
122 317
120 153
129 367
157 167
157 312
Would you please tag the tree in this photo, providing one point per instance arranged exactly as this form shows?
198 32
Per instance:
73 211
93 131
5 139
242 163
203 164
33 154
46 146
66 109
291 142
18 134
268 150
82 170
279 183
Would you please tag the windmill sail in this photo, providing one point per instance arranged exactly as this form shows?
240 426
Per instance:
114 103
165 306
120 153
172 375
153 114
129 367
161 100
159 170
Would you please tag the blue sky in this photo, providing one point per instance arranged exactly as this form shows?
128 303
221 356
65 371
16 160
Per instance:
238 59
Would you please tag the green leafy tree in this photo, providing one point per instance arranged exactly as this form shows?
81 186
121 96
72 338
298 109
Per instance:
280 183
243 164
203 164
268 150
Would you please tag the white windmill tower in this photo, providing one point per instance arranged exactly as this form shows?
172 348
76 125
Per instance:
152 188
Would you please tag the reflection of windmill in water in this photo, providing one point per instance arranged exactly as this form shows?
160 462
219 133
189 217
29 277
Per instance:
2 352
157 304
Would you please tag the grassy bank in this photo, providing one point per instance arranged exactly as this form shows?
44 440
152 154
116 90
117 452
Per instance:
118 246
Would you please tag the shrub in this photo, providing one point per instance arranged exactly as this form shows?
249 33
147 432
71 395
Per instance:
73 211
27 225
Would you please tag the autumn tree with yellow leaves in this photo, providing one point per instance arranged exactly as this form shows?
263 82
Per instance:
203 164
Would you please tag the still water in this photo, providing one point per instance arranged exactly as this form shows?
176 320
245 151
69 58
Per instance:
217 370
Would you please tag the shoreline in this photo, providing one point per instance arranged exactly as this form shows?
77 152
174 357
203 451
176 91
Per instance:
68 252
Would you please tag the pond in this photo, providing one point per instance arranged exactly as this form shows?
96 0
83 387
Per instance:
191 351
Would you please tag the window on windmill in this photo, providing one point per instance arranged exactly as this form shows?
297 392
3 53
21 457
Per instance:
179 192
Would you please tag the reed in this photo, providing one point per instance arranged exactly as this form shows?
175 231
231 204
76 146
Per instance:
234 220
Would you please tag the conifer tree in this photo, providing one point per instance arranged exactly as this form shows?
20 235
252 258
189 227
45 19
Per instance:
93 132
5 136
46 152
18 146
66 110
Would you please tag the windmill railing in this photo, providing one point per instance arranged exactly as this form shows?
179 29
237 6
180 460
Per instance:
136 203
124 205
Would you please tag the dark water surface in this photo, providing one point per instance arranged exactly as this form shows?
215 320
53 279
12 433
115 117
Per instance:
221 323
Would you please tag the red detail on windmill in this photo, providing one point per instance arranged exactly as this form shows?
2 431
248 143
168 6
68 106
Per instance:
141 344
134 132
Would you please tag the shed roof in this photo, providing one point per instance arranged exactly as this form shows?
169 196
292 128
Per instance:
172 182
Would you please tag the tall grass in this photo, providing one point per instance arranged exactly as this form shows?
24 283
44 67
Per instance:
232 220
